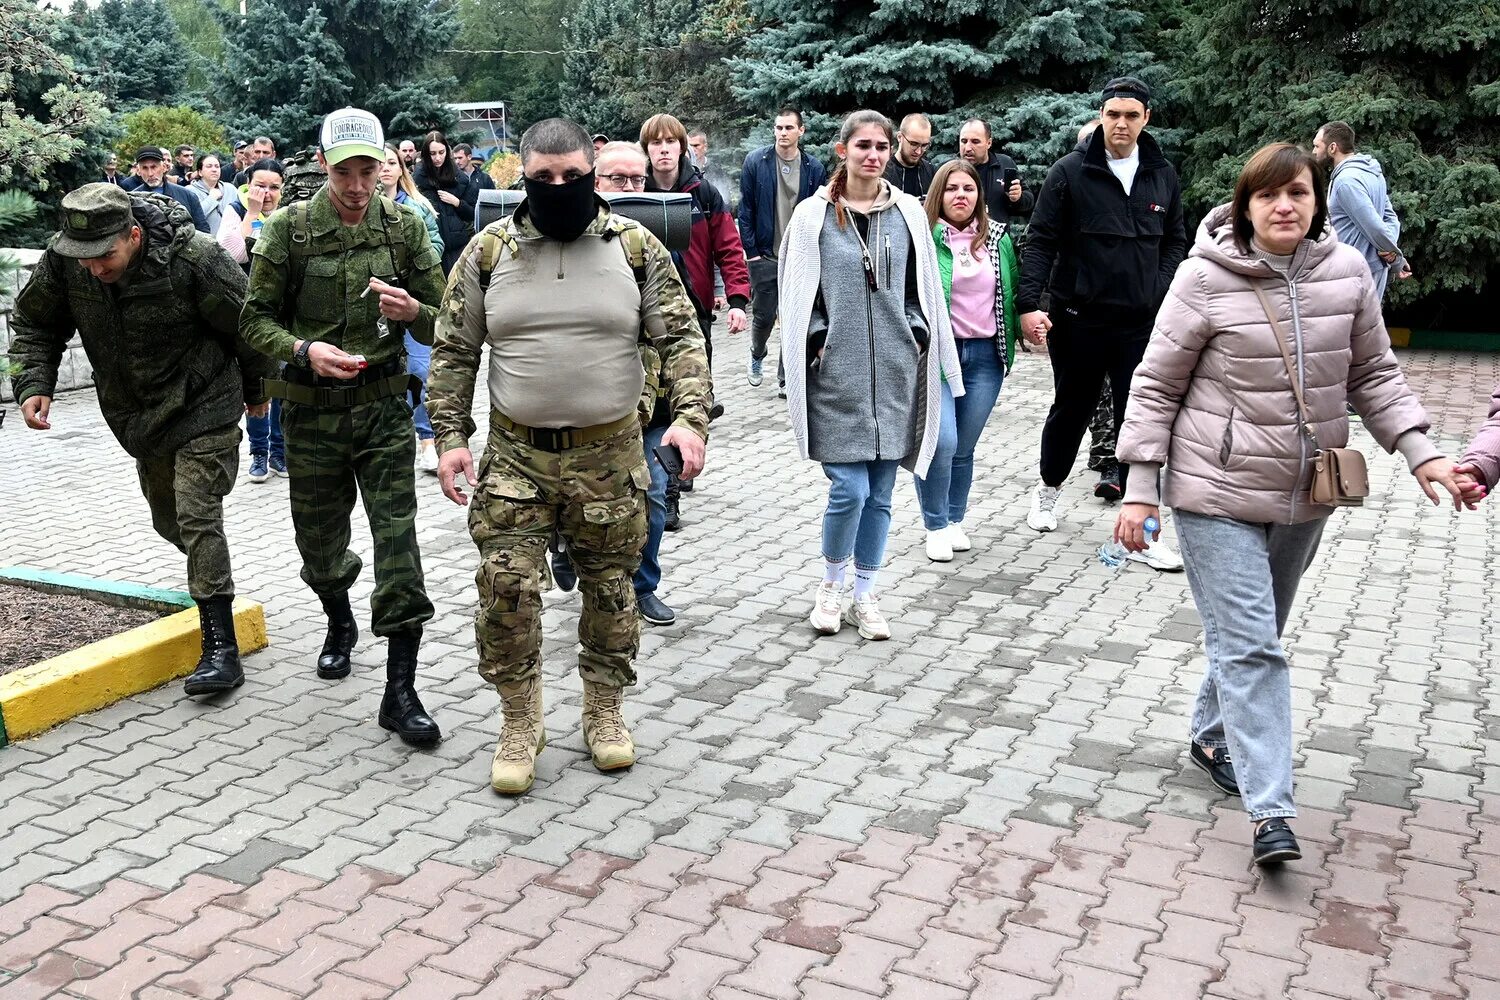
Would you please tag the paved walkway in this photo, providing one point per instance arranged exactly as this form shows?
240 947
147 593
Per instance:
995 803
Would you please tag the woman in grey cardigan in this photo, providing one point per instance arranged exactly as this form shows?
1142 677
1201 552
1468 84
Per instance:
865 335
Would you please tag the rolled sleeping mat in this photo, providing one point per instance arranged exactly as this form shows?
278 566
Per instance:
669 215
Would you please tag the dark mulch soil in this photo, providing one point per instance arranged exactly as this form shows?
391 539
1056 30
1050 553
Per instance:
35 626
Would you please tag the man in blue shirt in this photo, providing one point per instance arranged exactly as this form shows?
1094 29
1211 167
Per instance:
1359 205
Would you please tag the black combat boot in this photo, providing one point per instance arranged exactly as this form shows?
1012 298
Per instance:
219 668
674 497
401 710
338 643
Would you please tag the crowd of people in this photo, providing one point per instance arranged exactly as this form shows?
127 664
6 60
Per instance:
1227 366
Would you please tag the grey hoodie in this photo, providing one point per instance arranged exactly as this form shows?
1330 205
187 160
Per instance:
1360 209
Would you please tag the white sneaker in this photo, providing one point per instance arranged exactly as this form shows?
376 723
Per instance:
939 547
1159 556
864 614
828 605
957 540
1043 516
427 457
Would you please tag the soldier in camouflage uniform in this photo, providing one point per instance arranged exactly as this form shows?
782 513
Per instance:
333 281
562 292
157 305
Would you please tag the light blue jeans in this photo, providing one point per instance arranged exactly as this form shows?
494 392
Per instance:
1244 577
418 361
858 518
944 494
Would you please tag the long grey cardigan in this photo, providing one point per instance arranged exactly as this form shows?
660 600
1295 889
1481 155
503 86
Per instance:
918 399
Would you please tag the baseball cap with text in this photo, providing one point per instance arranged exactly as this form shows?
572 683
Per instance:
351 132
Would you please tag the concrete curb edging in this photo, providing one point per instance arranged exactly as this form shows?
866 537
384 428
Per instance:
36 698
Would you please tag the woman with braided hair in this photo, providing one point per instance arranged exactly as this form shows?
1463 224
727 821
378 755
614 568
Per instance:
866 338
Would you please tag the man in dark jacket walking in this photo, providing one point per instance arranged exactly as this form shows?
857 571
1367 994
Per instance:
157 305
472 167
1000 178
774 181
151 177
1108 233
910 169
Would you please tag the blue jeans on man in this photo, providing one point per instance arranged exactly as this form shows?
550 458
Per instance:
648 576
418 361
265 436
944 494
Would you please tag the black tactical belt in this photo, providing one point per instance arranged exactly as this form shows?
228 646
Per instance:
342 398
563 438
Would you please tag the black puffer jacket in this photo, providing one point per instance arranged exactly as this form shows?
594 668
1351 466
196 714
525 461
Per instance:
1114 253
455 224
163 342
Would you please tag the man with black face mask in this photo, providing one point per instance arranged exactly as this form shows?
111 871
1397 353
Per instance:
563 292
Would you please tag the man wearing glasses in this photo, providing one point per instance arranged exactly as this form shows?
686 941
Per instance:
910 170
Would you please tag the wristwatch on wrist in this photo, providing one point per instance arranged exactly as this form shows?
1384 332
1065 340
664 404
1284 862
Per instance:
300 358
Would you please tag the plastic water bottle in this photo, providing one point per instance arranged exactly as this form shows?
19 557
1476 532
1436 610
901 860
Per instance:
1113 554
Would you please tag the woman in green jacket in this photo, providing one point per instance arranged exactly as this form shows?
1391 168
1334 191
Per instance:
977 261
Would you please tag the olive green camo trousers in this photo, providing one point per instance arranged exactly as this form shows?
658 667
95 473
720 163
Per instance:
333 455
186 492
595 495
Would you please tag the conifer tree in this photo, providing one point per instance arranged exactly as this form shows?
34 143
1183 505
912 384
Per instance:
1419 83
1032 69
290 62
131 51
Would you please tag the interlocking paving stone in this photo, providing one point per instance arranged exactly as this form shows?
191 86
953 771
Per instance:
994 803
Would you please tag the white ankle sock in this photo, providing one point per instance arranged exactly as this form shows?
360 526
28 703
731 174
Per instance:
834 570
864 582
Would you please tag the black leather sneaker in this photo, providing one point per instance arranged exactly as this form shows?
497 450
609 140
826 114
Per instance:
1218 765
1274 843
654 611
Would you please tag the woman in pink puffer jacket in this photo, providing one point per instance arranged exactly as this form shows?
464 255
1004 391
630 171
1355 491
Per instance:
1213 401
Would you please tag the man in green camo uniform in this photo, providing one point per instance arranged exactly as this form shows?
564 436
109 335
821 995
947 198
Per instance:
156 304
333 282
562 293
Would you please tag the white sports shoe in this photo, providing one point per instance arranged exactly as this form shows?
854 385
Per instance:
864 614
1159 556
427 456
1043 516
939 546
827 613
957 539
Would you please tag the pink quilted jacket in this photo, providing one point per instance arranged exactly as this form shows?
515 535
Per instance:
1212 400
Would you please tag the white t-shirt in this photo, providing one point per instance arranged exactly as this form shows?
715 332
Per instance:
1124 167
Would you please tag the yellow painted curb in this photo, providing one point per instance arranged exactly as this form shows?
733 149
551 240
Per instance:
1400 336
40 696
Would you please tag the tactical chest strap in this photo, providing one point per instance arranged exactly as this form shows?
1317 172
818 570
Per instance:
301 246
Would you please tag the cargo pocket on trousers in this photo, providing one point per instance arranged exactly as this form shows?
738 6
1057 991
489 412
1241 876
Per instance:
613 526
505 505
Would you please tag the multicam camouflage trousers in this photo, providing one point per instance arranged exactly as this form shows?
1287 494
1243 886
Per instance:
595 495
1102 432
186 492
368 449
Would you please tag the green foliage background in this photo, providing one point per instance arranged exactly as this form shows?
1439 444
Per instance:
1420 82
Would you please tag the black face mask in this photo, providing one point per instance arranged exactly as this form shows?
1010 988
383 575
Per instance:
562 211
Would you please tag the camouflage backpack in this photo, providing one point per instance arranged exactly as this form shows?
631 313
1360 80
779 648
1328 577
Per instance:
303 178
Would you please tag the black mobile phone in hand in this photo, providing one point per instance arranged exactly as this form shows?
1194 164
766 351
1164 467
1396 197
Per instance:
1011 176
670 458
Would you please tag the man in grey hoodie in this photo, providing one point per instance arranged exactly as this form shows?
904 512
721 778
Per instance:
1358 205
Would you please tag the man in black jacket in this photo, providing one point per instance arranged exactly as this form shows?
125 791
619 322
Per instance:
1108 232
910 169
151 177
999 177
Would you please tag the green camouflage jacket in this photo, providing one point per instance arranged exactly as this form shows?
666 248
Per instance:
390 243
669 328
167 363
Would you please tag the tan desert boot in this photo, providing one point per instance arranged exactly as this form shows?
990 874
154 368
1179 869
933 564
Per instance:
604 727
521 737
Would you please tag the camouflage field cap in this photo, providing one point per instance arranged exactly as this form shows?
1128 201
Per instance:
93 217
